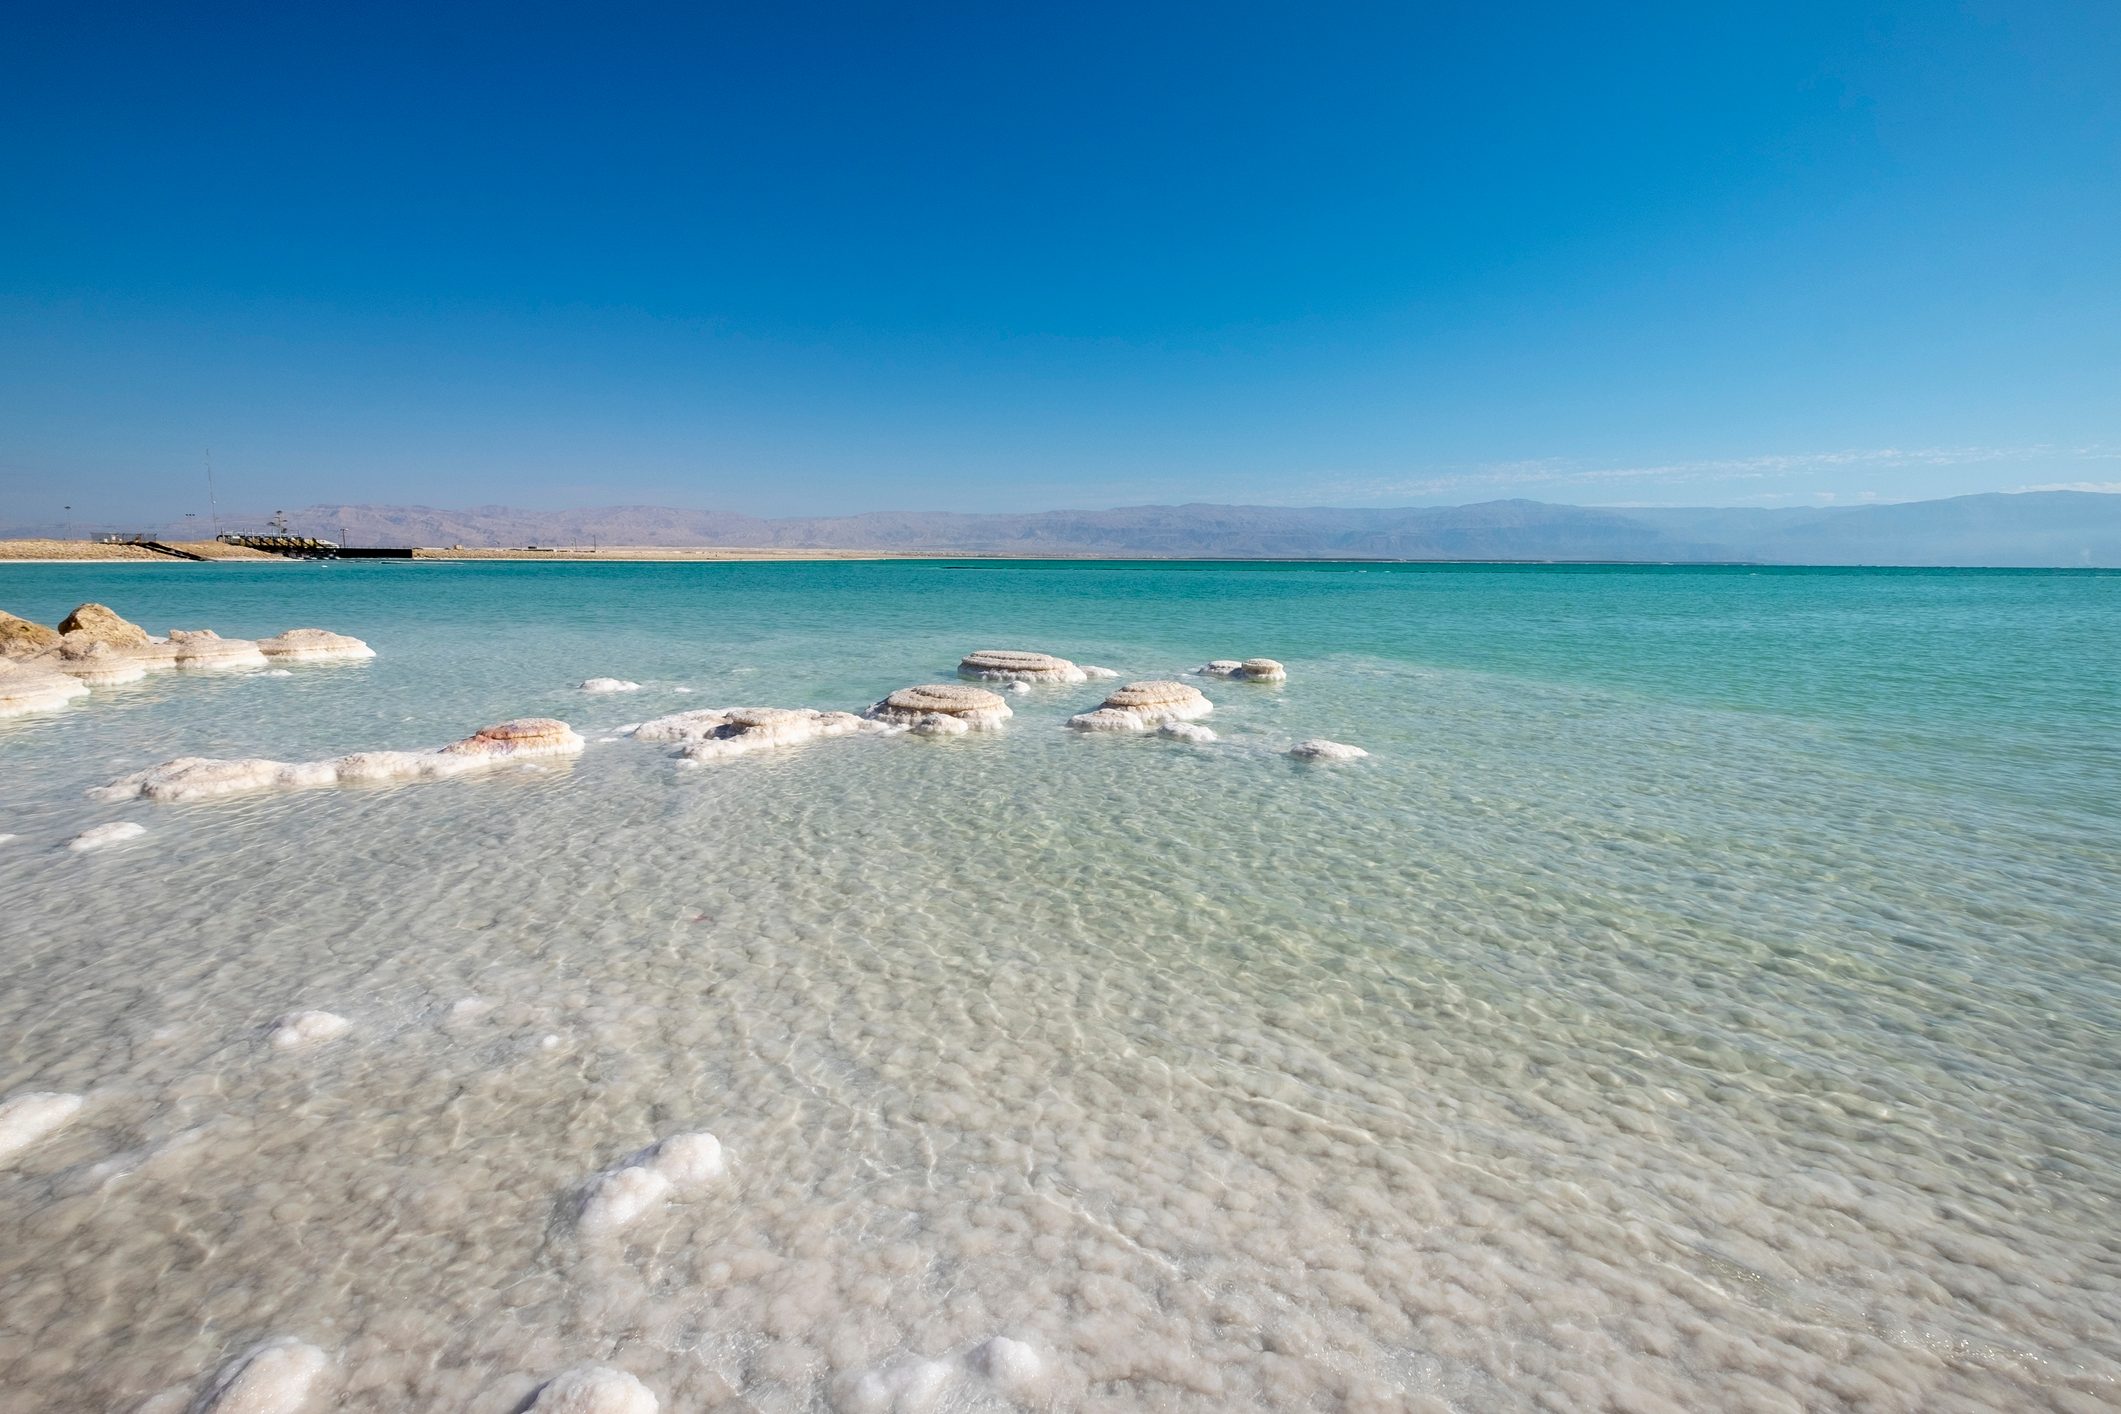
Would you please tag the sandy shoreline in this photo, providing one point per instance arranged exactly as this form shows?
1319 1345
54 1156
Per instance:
96 552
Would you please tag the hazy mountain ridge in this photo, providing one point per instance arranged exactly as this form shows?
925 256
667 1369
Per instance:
2052 528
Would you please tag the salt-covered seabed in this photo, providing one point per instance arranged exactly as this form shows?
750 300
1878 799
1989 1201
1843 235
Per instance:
1578 1048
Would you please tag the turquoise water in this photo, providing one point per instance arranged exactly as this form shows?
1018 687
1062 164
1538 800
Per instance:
1703 996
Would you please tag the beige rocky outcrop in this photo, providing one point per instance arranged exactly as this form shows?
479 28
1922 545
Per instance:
19 638
313 645
102 624
1144 706
941 709
1018 665
205 777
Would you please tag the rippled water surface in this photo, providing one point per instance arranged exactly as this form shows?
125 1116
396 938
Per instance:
1704 997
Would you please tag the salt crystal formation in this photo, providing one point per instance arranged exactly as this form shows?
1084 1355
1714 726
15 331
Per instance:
103 836
30 687
733 731
313 645
677 1164
609 685
203 650
1144 706
912 1388
204 777
274 1378
1091 670
1249 670
1016 1368
594 1389
1189 731
1319 749
1016 665
300 1029
941 709
25 1119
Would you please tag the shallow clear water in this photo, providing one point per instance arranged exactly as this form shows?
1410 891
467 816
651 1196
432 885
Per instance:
1703 997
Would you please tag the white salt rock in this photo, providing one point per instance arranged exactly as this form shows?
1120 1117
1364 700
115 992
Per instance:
1144 706
103 836
618 1198
1018 665
941 709
307 1028
1019 686
314 645
912 1388
25 1119
1219 668
1016 1368
610 685
1090 671
1319 749
278 673
464 1007
274 1378
174 1400
688 1160
594 1389
1189 731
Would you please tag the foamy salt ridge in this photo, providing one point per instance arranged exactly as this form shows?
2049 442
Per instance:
1018 665
30 687
733 731
299 1030
593 1389
609 685
277 1377
204 777
203 650
678 1164
1247 670
1144 706
27 1118
103 836
313 645
941 709
1319 749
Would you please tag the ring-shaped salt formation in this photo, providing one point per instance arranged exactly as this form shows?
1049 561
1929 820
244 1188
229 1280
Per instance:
941 709
1144 706
1019 665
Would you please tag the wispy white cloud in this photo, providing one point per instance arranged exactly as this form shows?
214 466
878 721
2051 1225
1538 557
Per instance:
1558 471
2112 487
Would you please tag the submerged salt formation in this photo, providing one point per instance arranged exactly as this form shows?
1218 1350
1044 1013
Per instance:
941 709
593 1389
1248 670
32 687
313 645
203 650
1319 749
711 735
300 1029
19 638
97 623
1144 706
609 685
1189 731
1017 665
204 777
274 1378
914 1387
101 836
1015 1367
25 1119
677 1164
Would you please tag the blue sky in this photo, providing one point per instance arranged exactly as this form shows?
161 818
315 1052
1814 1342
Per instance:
809 258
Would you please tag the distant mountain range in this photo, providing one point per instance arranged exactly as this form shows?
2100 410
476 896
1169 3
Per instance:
2036 528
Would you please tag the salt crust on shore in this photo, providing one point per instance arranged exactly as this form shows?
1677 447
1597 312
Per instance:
1144 706
715 734
677 1164
594 1389
273 1378
103 836
1319 749
27 1118
204 777
1017 665
941 709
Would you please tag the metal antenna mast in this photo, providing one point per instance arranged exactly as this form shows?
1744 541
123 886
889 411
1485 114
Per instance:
213 504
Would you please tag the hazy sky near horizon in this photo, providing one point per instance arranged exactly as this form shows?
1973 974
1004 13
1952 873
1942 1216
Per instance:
825 258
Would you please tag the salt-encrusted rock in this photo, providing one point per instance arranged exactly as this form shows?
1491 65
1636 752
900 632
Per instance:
675 1165
1091 670
941 709
732 731
204 777
33 687
1144 706
1015 1367
1319 749
1249 670
103 625
19 638
274 1378
914 1387
609 685
103 836
98 664
594 1389
1189 731
27 1118
202 649
300 1029
1016 665
313 645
